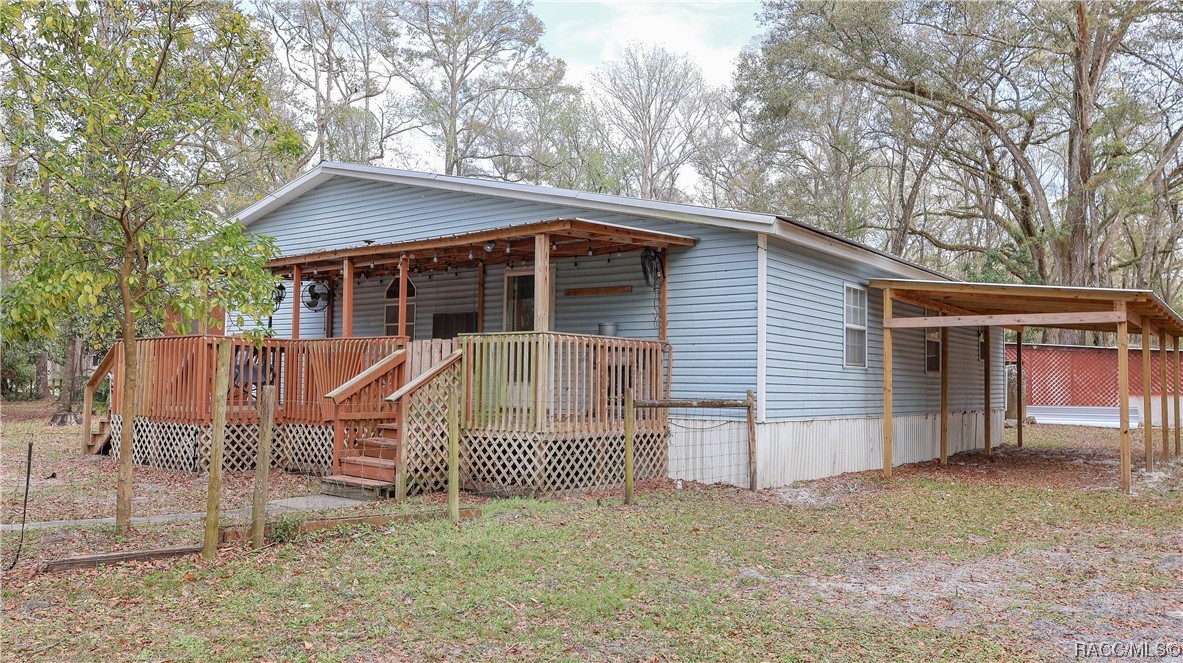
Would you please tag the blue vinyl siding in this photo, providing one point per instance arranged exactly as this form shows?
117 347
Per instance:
712 286
806 377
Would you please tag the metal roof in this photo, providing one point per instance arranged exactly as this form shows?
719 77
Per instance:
790 230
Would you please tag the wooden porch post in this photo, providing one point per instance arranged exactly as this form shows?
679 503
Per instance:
1162 390
1022 409
1123 395
887 419
347 298
402 296
296 301
1147 419
542 289
944 395
987 375
1178 414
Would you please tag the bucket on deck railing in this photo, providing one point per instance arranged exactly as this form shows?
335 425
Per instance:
607 329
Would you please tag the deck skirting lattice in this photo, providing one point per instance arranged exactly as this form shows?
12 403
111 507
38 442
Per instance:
181 447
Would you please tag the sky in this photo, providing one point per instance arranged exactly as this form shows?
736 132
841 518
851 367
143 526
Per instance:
588 33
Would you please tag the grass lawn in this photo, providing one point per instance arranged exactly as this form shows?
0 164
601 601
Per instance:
939 563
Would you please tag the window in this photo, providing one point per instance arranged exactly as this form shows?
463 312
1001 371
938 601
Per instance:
856 327
932 347
391 328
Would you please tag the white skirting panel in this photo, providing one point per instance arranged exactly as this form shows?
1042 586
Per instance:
716 451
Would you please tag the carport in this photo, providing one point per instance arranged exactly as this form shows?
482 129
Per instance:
989 305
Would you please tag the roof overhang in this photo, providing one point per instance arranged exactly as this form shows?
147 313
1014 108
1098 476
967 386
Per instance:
516 243
789 230
1016 306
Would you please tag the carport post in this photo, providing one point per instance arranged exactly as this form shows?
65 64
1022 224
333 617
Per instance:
1162 395
1147 419
944 395
887 420
1178 415
988 364
1019 388
1123 396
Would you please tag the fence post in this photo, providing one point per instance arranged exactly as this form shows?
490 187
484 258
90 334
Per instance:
217 440
267 406
751 440
454 456
630 432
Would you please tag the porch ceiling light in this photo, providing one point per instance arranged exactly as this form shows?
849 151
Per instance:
489 246
470 256
435 258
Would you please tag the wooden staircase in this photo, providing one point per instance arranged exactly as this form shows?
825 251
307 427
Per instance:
369 471
98 441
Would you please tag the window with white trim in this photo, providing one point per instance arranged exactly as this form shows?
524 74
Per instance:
855 323
932 346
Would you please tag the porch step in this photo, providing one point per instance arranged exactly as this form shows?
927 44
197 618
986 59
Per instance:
357 488
366 467
380 447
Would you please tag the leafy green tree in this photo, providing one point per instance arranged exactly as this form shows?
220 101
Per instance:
129 117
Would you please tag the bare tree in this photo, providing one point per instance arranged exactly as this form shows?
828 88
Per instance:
466 61
655 101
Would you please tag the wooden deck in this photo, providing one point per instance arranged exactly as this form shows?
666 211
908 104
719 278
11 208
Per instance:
541 412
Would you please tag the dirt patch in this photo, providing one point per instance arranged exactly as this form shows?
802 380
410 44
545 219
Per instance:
831 490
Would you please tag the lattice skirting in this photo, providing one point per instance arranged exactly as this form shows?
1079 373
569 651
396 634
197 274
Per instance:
538 464
186 447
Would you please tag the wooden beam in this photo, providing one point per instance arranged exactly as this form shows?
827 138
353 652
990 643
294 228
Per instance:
944 396
1162 395
593 292
560 227
663 323
887 368
402 296
1147 424
987 374
92 561
296 285
480 298
330 309
347 298
1019 391
542 285
1028 319
1123 394
1008 290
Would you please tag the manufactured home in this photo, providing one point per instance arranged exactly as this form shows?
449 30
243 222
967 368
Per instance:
534 310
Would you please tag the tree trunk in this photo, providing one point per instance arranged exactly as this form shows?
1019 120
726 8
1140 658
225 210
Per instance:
41 379
123 483
64 414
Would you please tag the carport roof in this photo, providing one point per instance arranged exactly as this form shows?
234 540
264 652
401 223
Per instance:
1013 305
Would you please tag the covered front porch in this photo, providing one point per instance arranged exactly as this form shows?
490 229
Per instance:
540 410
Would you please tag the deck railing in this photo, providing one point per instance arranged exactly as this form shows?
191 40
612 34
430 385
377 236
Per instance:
555 382
177 375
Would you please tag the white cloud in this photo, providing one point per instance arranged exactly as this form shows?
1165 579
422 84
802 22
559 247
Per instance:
587 34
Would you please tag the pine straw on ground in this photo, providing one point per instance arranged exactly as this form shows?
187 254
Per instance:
936 563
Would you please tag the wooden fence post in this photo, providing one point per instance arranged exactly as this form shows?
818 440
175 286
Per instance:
454 457
267 406
630 432
751 440
217 440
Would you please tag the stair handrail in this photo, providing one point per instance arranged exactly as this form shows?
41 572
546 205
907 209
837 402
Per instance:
427 376
92 383
361 380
